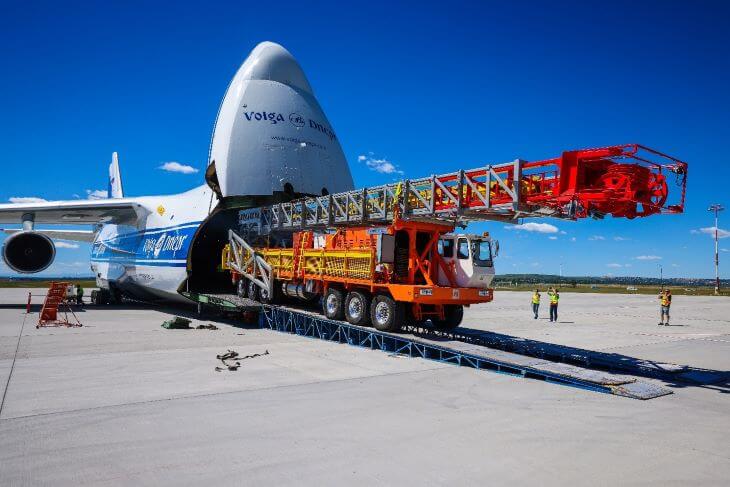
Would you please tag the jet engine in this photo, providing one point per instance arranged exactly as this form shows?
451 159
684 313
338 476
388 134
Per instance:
28 252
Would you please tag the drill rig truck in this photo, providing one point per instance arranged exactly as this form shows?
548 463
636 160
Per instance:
388 255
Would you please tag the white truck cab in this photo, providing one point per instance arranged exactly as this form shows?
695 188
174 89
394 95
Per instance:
471 257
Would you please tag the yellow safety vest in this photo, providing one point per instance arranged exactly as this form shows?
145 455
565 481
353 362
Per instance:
665 300
554 297
535 299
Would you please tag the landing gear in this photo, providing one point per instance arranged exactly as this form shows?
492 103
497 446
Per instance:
387 314
453 314
357 308
105 296
99 296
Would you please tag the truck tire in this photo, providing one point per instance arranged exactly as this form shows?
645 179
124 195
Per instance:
357 308
242 288
275 297
253 291
387 314
333 304
453 314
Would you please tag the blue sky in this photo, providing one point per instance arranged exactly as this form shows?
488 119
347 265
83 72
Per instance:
428 88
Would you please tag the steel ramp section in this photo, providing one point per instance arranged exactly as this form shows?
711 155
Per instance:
553 352
224 301
458 353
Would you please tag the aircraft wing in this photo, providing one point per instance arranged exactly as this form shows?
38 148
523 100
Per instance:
115 210
74 235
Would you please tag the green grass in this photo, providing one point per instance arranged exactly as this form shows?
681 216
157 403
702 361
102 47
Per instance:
42 283
612 289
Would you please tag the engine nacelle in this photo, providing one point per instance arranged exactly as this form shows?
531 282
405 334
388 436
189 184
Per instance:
28 252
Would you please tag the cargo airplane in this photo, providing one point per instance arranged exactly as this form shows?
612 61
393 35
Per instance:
271 141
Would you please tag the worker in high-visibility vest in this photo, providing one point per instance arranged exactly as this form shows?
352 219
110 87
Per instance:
665 302
535 302
554 298
79 294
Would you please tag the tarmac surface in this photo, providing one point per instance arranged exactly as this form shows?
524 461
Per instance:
124 401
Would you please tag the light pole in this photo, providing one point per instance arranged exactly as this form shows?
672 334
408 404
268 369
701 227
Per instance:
717 208
661 276
560 284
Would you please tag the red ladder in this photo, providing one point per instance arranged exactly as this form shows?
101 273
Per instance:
55 298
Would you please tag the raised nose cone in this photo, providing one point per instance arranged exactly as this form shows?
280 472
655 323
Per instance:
271 134
270 61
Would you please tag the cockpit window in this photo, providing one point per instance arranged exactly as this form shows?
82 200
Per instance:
463 250
446 248
482 252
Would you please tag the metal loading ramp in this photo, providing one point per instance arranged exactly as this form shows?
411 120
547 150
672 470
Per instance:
455 352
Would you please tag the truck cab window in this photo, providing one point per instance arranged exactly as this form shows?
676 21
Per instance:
482 252
446 248
463 250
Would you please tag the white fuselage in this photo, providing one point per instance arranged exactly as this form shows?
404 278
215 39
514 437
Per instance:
150 259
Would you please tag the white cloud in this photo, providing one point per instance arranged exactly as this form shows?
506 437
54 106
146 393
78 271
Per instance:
614 265
173 166
597 237
562 232
553 238
724 250
382 166
534 227
620 239
60 244
573 239
97 194
648 257
675 265
25 199
711 232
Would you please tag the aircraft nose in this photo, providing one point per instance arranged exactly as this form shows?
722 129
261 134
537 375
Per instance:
270 61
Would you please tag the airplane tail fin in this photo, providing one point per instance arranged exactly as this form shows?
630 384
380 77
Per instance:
115 178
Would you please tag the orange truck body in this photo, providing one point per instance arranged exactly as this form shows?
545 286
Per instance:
348 259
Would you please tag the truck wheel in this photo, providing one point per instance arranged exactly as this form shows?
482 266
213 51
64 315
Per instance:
275 297
333 304
386 313
253 291
453 314
242 288
357 308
